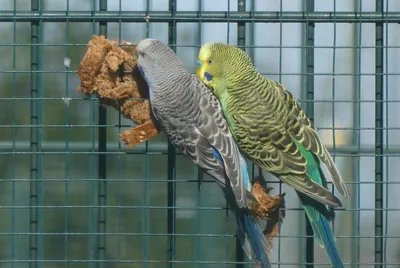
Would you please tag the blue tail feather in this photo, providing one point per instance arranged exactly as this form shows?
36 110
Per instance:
318 213
323 233
248 231
329 243
257 240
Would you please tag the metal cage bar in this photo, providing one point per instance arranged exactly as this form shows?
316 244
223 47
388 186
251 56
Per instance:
355 195
171 188
14 143
50 147
200 173
379 121
206 16
309 62
145 188
334 43
241 42
102 166
67 140
34 140
386 219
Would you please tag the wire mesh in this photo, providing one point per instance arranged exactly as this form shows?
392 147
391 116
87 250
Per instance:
73 196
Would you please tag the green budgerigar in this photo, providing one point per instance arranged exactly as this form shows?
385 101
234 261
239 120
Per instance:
273 131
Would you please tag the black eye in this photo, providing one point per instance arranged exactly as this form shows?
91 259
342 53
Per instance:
210 61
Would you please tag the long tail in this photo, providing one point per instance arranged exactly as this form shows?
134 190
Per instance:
317 213
324 235
248 232
256 238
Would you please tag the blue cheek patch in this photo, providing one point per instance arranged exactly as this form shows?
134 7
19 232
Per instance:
208 76
199 63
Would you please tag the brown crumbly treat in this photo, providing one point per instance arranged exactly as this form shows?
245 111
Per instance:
110 72
267 208
138 134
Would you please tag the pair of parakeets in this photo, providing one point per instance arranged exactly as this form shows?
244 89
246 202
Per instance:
227 109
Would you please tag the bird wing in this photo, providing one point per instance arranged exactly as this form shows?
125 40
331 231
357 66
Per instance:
271 132
206 140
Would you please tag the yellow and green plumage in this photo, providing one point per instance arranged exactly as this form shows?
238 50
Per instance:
273 131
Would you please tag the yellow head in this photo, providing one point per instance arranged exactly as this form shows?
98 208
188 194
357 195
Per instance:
208 70
221 63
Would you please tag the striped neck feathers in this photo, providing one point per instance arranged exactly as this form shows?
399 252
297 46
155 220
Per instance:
239 77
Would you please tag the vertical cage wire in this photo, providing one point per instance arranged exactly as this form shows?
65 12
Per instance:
94 163
67 137
119 188
40 139
334 45
280 81
334 91
379 98
200 173
386 34
171 175
102 165
145 198
119 167
34 138
355 194
92 254
13 133
239 251
309 61
241 42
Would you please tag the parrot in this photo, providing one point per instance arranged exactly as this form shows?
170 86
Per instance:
273 131
192 118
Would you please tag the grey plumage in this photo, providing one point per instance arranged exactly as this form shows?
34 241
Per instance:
190 115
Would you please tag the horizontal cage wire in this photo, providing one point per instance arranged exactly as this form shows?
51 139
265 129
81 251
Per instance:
73 195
